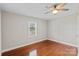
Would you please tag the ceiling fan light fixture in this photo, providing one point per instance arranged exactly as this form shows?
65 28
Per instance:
55 11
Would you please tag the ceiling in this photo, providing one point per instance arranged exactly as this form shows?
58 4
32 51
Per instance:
38 9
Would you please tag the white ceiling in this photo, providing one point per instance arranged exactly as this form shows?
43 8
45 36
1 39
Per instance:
37 9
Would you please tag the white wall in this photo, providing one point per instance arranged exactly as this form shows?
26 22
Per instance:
14 30
64 29
77 31
77 28
0 32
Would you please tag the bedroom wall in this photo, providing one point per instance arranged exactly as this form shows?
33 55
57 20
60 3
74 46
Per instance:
15 33
64 29
77 30
0 32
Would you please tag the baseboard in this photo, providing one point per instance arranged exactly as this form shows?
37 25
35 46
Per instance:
64 43
22 45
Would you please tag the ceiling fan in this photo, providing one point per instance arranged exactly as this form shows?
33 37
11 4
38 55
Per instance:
56 8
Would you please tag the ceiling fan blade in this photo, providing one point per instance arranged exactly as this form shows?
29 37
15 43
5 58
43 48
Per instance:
62 9
60 6
65 9
47 12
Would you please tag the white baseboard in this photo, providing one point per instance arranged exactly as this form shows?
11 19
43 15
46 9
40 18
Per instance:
64 43
23 45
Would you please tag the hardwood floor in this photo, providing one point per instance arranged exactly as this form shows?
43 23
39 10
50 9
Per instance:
44 48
